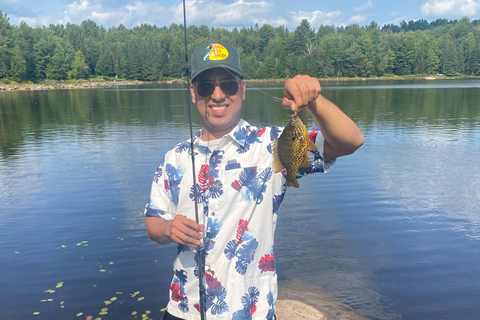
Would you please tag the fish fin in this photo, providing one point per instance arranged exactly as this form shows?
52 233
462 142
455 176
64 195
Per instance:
277 164
311 145
305 162
292 182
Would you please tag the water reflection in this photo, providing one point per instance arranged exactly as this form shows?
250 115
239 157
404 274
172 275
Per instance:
392 230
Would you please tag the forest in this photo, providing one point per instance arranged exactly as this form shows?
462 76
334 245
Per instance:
152 53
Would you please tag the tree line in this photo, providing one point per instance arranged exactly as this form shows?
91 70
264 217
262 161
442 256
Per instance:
151 53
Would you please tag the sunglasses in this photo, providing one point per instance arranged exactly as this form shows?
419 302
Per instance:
206 88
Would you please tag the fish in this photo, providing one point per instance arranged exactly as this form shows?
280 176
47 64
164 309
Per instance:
290 150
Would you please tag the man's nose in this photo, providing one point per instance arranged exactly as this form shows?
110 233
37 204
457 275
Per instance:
218 94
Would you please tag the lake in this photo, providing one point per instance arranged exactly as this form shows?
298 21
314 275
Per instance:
392 230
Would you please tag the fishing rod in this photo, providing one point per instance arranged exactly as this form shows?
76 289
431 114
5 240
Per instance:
200 252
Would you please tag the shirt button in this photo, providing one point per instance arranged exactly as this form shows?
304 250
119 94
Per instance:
212 214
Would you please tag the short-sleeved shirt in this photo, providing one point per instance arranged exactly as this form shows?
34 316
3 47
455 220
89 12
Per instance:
238 197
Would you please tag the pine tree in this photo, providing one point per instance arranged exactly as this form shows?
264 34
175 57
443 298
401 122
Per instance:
79 67
18 68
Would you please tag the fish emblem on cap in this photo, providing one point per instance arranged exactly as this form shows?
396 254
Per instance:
215 51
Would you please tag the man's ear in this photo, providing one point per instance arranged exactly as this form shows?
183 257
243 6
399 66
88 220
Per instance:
244 87
192 92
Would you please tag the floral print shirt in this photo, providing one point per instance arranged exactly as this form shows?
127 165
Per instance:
238 197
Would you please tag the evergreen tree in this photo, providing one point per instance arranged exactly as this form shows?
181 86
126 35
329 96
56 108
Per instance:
59 64
104 65
18 68
5 45
150 53
79 67
303 38
450 54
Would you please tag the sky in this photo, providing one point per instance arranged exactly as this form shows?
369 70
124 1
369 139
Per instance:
235 13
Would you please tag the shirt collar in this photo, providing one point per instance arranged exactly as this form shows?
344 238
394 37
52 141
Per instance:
238 134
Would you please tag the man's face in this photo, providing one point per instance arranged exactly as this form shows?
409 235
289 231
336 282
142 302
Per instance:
219 111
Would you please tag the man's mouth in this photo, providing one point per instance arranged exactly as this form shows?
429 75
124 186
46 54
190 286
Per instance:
219 108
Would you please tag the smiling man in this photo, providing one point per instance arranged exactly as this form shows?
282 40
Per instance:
238 193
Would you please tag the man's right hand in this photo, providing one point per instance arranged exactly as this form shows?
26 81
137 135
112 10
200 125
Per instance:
181 230
185 231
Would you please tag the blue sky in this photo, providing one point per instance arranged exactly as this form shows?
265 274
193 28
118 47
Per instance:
236 13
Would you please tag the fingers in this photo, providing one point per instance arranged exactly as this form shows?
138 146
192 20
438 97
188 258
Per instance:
299 92
186 231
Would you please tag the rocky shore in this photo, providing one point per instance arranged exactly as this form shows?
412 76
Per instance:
80 84
86 84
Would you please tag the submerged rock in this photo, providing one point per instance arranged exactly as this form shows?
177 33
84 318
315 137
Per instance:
301 300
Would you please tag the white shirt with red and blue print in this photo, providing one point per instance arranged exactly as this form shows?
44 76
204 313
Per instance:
238 198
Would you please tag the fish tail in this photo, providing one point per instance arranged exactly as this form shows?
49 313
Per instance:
292 180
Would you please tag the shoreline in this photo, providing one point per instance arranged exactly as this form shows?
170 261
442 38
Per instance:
89 84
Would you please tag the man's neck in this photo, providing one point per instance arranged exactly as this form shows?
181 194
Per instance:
208 136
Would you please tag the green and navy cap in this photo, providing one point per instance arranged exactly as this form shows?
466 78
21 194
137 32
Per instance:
215 55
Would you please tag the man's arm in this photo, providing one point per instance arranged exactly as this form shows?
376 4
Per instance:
342 136
181 230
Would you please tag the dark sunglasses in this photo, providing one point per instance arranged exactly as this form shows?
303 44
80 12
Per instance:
206 88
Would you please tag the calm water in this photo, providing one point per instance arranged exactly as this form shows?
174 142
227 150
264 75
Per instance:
393 230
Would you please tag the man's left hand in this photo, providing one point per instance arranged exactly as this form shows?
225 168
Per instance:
299 91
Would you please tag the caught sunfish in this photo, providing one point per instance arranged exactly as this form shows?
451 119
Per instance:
290 150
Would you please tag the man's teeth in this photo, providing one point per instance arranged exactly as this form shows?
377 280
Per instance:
218 108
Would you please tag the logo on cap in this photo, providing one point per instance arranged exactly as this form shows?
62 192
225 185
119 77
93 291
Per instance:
215 51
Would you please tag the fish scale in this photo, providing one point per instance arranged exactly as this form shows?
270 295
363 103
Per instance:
290 150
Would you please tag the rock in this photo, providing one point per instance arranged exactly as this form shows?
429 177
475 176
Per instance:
311 297
293 309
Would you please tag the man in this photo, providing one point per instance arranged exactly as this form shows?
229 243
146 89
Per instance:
238 194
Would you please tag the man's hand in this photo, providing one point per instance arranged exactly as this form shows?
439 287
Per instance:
299 91
185 231
341 134
181 230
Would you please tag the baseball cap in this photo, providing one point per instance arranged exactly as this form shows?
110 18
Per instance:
215 55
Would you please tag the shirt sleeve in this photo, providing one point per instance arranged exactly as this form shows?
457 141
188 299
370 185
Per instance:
315 157
159 204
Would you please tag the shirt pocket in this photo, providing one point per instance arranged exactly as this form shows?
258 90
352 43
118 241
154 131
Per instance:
246 179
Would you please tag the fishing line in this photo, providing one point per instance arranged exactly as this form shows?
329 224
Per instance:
253 87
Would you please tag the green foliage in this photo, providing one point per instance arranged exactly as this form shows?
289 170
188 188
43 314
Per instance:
61 60
79 67
104 65
152 53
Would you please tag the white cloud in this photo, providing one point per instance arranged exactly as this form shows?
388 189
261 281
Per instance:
357 19
213 13
450 8
198 12
365 6
218 14
4 3
129 15
397 20
316 18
